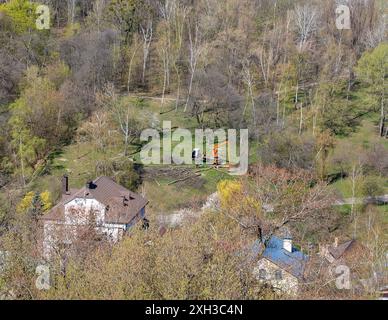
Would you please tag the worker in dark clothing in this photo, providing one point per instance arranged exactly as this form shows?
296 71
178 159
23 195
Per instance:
196 154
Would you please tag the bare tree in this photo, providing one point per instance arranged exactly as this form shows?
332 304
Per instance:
289 199
306 23
167 11
122 113
98 11
248 79
147 33
71 6
196 50
166 62
96 130
364 24
376 159
179 22
280 198
132 53
376 35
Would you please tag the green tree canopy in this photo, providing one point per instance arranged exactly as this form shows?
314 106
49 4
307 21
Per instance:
22 14
372 71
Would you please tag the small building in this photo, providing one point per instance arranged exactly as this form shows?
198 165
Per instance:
103 204
339 253
280 265
351 254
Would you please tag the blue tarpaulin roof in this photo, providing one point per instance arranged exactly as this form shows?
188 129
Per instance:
293 262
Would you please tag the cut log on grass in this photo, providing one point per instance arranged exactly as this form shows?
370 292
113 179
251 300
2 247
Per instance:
164 112
84 155
184 179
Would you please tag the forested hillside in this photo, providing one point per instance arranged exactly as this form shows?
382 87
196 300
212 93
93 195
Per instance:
75 97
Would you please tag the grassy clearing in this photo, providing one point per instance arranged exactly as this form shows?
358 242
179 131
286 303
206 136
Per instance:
351 147
357 142
166 196
377 215
344 187
79 161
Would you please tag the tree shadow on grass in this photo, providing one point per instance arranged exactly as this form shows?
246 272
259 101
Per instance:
51 166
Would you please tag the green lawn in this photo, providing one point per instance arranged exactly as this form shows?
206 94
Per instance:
79 161
344 186
350 148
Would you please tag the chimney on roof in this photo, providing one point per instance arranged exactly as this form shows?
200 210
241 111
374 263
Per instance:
287 244
125 201
65 184
259 234
322 249
89 185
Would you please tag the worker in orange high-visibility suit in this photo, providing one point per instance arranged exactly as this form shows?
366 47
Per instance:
215 153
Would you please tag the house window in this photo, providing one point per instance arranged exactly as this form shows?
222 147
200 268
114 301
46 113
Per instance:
278 275
262 274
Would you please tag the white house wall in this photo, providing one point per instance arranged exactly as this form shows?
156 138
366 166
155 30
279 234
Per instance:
84 206
77 213
58 232
55 232
113 231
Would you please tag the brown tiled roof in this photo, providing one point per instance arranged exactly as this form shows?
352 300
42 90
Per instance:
56 213
338 252
123 205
